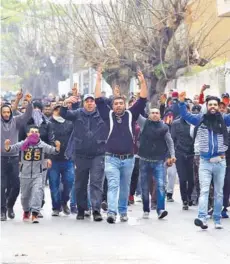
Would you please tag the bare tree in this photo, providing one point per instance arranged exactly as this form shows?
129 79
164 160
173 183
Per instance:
151 35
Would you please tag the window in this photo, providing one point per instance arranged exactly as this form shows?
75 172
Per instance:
223 7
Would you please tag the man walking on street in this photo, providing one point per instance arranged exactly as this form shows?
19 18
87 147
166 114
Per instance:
119 160
86 147
62 169
155 143
10 161
182 135
213 142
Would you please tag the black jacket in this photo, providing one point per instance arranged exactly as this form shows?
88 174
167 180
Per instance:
89 133
180 132
62 132
152 141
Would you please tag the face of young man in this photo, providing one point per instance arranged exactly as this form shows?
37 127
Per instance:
119 106
47 111
33 131
213 106
154 115
89 105
223 108
6 113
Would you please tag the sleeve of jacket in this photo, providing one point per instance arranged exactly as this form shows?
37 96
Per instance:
51 136
103 108
21 120
50 150
174 132
76 106
138 108
193 119
68 114
16 147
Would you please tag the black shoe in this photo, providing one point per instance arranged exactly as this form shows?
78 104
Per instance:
170 198
202 224
80 216
104 206
66 209
10 213
3 217
111 218
190 203
97 216
185 206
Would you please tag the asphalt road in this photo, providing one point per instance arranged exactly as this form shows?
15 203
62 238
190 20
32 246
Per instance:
64 240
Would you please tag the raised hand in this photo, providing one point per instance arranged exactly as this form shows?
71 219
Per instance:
75 90
140 77
71 99
182 96
163 99
99 72
116 91
28 97
19 95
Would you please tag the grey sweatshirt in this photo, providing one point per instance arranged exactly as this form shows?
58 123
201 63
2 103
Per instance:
168 139
33 159
10 129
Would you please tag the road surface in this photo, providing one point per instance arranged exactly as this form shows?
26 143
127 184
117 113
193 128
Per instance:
64 240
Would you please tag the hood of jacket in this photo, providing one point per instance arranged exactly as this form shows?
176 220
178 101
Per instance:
11 113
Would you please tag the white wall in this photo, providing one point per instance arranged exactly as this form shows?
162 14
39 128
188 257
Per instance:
218 78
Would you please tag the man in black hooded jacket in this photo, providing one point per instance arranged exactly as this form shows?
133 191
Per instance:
10 126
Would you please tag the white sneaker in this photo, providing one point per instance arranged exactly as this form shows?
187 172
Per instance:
138 199
146 215
218 225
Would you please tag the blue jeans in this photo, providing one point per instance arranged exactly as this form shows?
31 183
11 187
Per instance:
157 170
207 172
65 169
118 173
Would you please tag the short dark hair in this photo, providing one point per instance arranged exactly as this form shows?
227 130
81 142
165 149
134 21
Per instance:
30 127
210 98
118 98
38 105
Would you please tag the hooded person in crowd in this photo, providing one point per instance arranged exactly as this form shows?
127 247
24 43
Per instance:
10 126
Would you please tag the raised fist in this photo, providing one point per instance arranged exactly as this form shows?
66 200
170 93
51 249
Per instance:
182 96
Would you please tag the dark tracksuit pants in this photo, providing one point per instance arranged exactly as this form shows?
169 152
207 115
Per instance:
134 178
93 169
184 165
10 184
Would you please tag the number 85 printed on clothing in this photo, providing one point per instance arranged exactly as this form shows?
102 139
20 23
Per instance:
33 154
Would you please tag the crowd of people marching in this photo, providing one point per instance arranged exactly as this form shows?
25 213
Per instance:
96 153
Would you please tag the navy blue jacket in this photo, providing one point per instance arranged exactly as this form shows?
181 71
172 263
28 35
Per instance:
89 133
